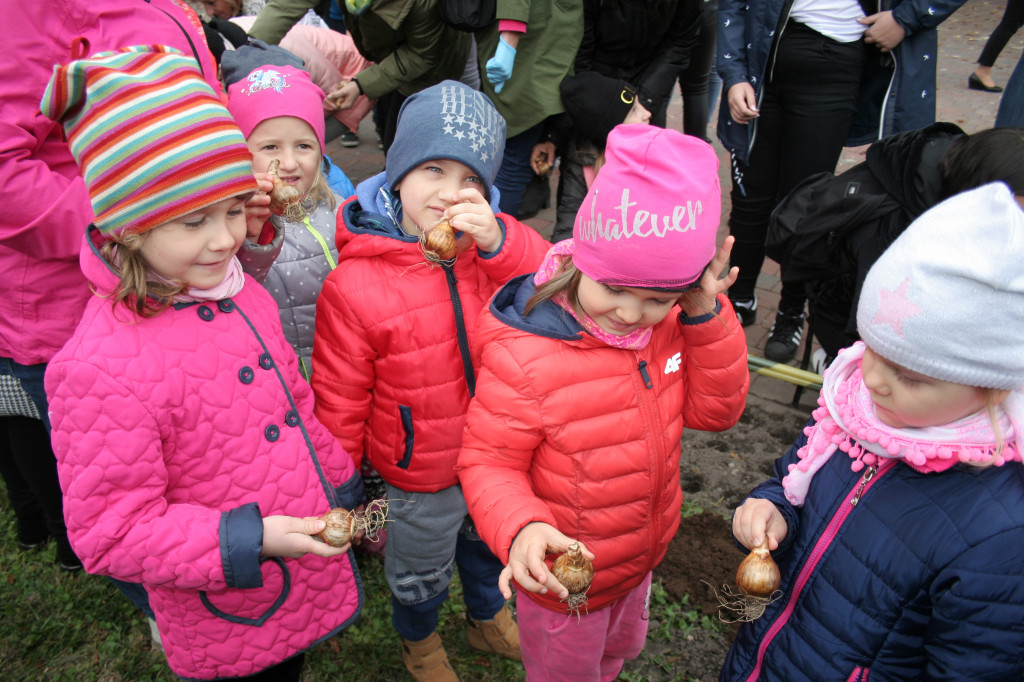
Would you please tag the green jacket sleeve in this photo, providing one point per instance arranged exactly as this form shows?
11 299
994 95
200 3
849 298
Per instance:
422 52
277 17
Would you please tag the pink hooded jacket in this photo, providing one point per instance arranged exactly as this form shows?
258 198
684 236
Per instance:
175 435
46 207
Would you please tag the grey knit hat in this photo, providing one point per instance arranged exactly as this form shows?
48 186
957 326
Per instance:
947 298
448 121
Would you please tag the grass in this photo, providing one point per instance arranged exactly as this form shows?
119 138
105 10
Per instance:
78 628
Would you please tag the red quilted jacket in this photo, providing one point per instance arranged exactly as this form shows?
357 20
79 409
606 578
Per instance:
391 359
586 437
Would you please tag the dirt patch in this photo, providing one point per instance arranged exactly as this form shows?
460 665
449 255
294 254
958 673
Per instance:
718 470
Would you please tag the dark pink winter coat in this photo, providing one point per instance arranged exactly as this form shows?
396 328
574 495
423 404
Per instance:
45 205
174 436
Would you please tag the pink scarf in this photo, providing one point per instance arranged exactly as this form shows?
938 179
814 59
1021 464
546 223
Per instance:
846 421
228 287
556 255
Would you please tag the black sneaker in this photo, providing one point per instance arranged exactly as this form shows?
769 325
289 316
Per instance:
785 337
349 139
746 310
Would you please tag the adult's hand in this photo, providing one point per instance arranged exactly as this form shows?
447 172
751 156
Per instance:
499 67
883 31
743 103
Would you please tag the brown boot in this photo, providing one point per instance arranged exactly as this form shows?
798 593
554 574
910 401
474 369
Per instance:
500 635
427 660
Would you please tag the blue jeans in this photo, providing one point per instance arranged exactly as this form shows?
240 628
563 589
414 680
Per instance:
31 377
515 172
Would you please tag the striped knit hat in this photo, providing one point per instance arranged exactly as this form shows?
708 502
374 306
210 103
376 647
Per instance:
151 137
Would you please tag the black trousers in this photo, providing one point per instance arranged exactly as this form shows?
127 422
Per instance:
1013 19
805 115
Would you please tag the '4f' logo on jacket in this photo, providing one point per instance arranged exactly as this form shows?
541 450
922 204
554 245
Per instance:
674 363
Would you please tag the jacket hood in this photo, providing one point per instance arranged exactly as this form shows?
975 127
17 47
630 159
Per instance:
908 164
547 319
101 274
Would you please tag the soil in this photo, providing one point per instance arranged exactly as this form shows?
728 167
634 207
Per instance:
718 470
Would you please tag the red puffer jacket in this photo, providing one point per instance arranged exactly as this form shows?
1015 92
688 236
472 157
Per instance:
392 370
586 437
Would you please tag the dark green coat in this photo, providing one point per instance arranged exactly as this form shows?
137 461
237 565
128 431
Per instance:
410 46
543 58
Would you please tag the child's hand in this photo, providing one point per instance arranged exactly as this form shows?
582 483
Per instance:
756 518
470 213
701 301
542 157
257 209
289 536
343 97
526 560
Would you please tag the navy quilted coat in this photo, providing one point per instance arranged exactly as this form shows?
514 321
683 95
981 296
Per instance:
175 435
575 433
921 579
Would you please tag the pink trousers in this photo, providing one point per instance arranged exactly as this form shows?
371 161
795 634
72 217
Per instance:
559 648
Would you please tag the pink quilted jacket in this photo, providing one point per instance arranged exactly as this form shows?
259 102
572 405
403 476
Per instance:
46 207
174 436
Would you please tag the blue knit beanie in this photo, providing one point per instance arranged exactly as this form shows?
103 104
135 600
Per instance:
448 121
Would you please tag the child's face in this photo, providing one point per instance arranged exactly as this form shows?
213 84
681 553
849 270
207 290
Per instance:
426 192
197 248
291 140
623 310
906 399
222 9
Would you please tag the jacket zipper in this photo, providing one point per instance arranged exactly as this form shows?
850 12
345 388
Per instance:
869 479
656 452
460 329
859 674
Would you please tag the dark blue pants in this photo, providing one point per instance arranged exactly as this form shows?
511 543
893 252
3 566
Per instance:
515 172
805 115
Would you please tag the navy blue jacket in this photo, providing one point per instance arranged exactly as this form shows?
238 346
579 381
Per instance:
903 81
922 579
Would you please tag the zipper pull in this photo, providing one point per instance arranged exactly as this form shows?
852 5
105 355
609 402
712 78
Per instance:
643 372
868 475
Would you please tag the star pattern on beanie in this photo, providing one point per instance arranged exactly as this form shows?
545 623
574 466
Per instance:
895 307
468 123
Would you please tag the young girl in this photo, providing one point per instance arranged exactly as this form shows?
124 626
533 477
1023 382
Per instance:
187 448
897 519
280 112
393 373
590 371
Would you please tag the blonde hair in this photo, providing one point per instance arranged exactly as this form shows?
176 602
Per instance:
565 280
993 398
319 192
136 290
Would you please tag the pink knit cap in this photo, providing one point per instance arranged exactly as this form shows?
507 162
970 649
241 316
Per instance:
651 217
270 91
